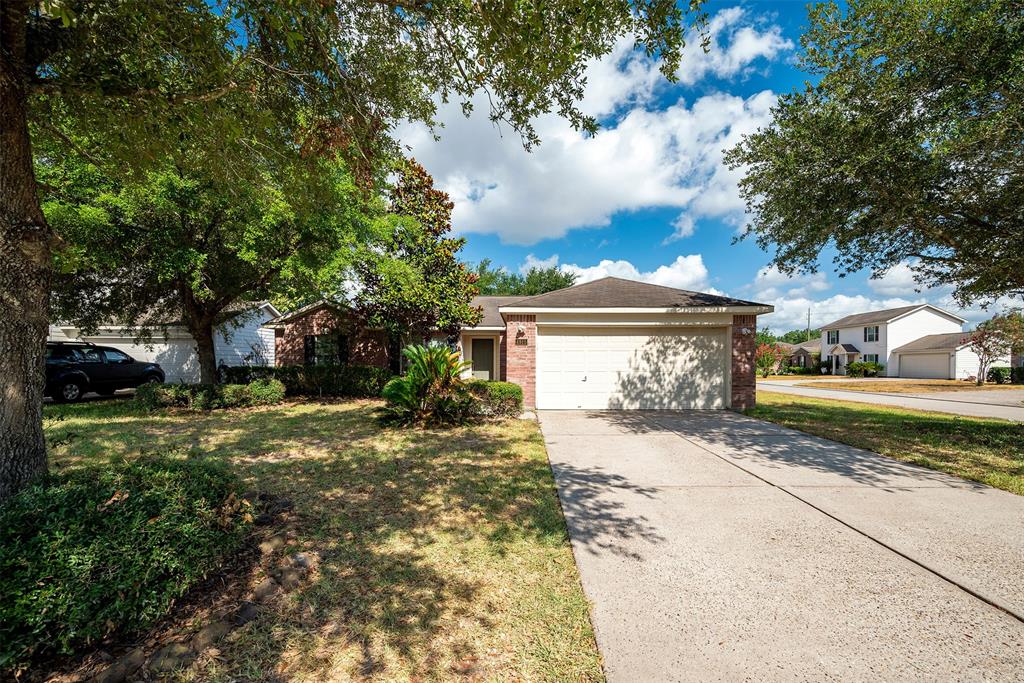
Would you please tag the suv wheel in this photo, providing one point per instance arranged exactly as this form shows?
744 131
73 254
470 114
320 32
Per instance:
69 392
152 379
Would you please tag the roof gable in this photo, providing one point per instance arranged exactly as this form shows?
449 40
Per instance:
613 292
949 341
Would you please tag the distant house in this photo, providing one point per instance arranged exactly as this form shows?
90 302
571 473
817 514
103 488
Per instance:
803 355
946 356
239 340
921 341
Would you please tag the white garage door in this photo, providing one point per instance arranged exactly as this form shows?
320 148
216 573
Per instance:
631 368
924 365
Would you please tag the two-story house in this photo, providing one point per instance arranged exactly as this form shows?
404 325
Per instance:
883 337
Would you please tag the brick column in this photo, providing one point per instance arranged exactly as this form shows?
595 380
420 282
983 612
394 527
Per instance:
744 372
521 355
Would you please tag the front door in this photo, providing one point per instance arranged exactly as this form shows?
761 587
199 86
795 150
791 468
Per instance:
483 358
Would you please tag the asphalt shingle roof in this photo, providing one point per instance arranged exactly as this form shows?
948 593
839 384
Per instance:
613 292
489 305
869 318
934 342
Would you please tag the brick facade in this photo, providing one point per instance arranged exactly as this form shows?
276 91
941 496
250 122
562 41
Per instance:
519 360
366 347
744 372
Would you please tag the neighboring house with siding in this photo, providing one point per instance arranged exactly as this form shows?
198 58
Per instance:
947 356
610 343
920 342
240 340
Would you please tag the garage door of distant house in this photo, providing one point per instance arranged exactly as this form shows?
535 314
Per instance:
631 368
924 365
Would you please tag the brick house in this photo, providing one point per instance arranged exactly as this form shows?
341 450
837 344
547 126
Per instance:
606 344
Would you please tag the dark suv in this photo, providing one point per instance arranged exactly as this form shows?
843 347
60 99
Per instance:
72 369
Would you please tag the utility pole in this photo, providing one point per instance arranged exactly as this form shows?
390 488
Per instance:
808 324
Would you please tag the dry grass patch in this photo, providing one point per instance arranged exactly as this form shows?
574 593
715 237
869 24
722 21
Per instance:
917 386
989 451
443 554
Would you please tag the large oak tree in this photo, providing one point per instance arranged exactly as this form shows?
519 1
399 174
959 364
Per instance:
907 147
127 82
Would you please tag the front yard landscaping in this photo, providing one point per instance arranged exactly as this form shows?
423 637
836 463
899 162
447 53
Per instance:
988 451
437 554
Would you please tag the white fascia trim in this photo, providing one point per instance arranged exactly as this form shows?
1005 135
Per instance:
930 351
634 323
466 330
758 310
934 308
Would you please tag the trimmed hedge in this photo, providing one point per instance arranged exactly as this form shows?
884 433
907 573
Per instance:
99 551
999 375
355 381
864 369
498 399
259 392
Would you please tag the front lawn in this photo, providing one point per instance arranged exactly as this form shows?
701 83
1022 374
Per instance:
442 554
915 386
989 451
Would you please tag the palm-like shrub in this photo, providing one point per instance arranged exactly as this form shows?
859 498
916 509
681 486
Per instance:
432 390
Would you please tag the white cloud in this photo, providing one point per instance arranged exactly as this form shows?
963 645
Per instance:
532 261
686 272
898 280
734 46
684 227
643 158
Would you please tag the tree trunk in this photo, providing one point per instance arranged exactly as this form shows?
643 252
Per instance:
207 352
25 245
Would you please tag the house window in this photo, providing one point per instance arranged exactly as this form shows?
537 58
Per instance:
833 337
871 333
870 357
326 349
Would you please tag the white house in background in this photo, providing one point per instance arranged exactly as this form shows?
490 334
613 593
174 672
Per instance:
941 355
240 340
882 337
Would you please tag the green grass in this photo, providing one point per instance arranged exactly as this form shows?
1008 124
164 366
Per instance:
444 553
988 451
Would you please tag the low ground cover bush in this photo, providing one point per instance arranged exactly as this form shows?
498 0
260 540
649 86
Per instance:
258 392
797 370
105 550
355 381
999 375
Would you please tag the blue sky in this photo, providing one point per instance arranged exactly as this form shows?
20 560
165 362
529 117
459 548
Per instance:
648 197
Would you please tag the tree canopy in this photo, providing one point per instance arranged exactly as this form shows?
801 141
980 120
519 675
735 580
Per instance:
907 147
181 246
501 282
142 85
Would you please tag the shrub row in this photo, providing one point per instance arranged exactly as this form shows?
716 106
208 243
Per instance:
259 392
497 399
864 369
999 375
1017 375
356 381
93 552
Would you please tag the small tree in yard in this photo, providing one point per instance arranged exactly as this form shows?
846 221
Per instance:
767 358
989 341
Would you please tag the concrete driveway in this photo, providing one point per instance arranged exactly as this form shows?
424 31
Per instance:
717 547
1005 404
